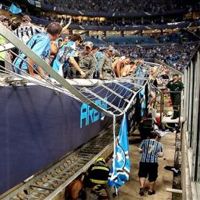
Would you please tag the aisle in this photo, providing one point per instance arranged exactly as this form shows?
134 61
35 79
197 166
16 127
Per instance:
165 178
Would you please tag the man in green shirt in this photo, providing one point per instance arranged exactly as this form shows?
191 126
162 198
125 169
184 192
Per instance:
175 86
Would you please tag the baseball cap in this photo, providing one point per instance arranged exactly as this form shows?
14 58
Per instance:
111 48
88 44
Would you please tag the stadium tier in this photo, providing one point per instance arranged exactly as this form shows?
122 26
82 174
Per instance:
72 71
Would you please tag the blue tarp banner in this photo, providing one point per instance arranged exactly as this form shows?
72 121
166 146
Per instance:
38 127
15 9
121 162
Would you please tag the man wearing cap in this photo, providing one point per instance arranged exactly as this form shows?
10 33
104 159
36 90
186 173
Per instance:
87 60
106 71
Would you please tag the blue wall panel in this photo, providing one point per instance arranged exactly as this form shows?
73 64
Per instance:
37 127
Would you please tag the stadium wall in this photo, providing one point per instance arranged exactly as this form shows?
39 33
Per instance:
191 131
38 127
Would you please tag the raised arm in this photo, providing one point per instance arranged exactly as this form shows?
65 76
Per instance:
67 25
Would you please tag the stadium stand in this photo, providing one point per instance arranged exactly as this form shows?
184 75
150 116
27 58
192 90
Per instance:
178 46
176 55
118 6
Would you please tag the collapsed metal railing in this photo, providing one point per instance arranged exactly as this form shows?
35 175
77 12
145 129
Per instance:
84 94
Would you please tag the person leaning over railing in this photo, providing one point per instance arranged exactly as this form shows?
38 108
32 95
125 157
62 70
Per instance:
99 61
129 69
106 69
40 44
87 59
65 57
120 65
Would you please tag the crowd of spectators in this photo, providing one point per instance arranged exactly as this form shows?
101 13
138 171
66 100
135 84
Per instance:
84 60
119 24
127 6
114 23
97 21
182 36
175 55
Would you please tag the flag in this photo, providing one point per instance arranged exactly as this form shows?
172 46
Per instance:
121 163
15 9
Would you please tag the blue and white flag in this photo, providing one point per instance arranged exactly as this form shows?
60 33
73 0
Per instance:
15 9
121 163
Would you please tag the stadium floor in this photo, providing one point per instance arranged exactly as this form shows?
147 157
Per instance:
165 178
